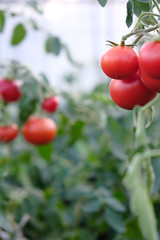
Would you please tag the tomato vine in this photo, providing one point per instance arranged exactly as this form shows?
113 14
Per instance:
139 177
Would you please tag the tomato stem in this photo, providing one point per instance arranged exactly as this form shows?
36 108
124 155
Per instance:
157 5
150 6
142 32
146 14
151 103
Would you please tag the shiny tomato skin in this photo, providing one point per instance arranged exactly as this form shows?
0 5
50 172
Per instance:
50 104
39 131
151 83
9 90
149 59
119 62
127 93
8 133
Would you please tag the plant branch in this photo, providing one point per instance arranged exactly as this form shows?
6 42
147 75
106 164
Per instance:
157 5
146 14
151 103
139 31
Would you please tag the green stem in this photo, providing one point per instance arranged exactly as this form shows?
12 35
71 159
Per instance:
150 5
146 14
139 31
151 103
137 39
140 137
157 5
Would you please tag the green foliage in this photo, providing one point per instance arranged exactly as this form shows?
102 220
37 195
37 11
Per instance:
73 188
19 33
2 21
140 6
129 18
53 45
103 2
140 201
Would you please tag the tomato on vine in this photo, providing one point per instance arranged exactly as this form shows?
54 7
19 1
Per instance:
9 90
39 131
119 62
149 59
8 133
50 104
127 93
151 83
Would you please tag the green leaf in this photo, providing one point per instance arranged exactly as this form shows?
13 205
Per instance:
29 100
115 221
44 77
133 231
77 130
53 45
2 21
115 204
144 1
78 192
35 7
140 7
149 20
19 33
45 151
4 223
140 201
156 166
91 206
117 133
102 2
129 18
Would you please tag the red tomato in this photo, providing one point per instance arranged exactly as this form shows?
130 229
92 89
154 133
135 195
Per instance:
119 62
9 90
149 59
8 133
50 104
39 131
151 83
127 93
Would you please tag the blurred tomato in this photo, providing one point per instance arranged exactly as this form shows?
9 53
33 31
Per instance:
39 131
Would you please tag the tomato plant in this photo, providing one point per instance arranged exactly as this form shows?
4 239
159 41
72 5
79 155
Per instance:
8 133
149 59
119 62
39 131
70 180
127 93
50 104
9 90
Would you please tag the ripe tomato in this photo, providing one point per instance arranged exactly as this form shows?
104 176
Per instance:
119 62
127 93
151 83
39 131
149 59
50 104
8 133
9 90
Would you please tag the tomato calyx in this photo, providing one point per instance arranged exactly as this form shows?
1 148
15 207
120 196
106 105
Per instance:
111 44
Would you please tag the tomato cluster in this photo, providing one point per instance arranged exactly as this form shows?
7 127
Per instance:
135 78
36 130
